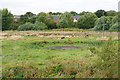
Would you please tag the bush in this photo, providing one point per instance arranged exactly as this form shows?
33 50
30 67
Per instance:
26 26
99 23
39 26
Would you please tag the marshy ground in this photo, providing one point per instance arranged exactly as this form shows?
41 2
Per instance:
51 54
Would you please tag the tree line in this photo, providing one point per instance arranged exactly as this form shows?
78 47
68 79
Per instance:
45 21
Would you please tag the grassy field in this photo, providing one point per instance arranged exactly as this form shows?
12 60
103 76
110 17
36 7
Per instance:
23 55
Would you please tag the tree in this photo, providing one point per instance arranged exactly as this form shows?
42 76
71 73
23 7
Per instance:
99 23
115 24
99 13
28 17
111 13
115 27
46 19
86 21
73 13
58 13
7 19
42 17
83 13
23 19
65 20
30 14
0 19
114 20
50 13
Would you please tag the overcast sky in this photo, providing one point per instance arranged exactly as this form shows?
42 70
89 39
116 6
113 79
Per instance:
18 7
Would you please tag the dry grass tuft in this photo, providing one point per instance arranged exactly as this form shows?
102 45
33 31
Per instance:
116 38
32 34
4 34
15 37
1 37
102 39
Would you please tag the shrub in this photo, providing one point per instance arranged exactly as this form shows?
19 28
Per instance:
39 26
26 26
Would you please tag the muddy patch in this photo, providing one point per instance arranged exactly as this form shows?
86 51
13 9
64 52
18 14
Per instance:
65 47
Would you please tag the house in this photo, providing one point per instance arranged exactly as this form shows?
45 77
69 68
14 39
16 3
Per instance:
56 18
16 17
76 18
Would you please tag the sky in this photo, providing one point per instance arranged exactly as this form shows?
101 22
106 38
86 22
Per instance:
19 7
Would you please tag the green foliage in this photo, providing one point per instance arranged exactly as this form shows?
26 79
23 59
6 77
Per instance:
46 19
42 17
99 23
99 13
30 14
57 13
7 19
65 21
114 20
26 26
28 17
73 13
23 19
19 71
30 26
32 20
71 29
115 27
83 13
111 13
53 70
0 19
86 21
97 62
107 63
39 26
15 25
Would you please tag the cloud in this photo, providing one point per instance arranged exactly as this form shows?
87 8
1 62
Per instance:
36 6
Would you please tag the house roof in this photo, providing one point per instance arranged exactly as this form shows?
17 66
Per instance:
56 17
76 17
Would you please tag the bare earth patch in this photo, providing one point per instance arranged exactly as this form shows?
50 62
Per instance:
64 47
